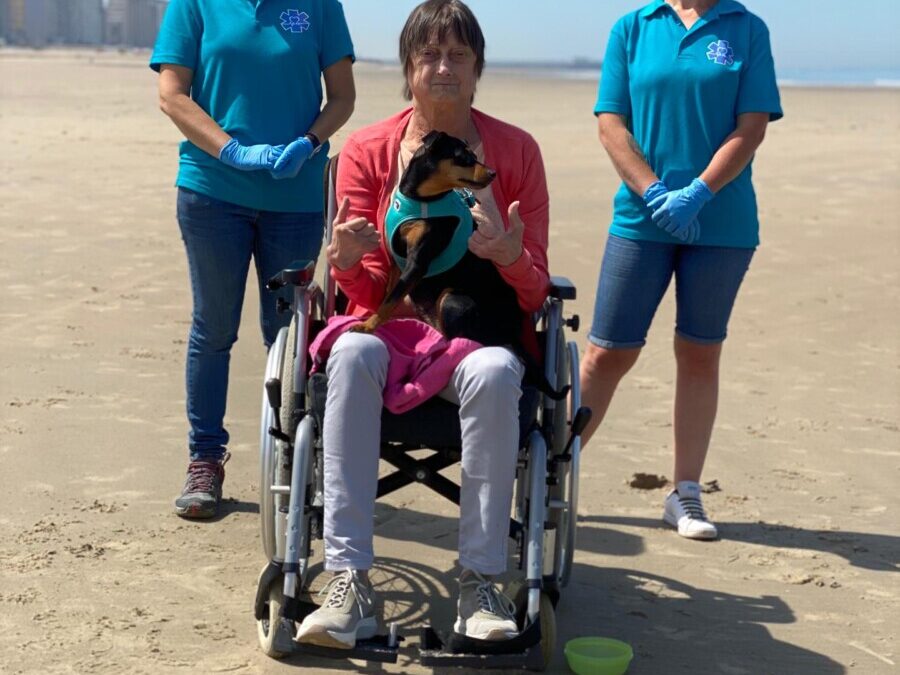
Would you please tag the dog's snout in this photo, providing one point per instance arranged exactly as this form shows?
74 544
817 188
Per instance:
484 175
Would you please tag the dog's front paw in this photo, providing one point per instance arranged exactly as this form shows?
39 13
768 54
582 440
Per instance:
367 326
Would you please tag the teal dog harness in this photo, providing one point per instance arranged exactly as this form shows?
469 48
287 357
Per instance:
455 204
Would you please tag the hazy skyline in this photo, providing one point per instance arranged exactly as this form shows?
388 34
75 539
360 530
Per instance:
806 34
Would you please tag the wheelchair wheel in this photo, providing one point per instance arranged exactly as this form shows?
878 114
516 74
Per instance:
517 591
568 478
275 633
268 450
574 469
548 630
565 488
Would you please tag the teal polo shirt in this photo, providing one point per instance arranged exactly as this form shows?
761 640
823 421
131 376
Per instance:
681 92
258 73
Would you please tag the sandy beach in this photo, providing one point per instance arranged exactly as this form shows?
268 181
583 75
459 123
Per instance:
97 575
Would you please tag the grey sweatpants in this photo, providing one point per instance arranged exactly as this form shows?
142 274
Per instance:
487 387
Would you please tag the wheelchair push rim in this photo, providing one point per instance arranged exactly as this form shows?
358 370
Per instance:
268 448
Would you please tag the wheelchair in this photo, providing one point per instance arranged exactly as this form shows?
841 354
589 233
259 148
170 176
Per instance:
545 503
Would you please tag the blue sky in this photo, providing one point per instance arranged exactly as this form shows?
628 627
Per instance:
806 34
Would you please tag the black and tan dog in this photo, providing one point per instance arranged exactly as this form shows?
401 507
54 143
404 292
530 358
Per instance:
469 299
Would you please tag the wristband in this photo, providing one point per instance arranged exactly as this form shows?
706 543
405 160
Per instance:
316 143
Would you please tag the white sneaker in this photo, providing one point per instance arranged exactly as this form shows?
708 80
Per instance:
483 612
347 615
684 511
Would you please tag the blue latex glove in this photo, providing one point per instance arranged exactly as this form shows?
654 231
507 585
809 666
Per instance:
655 190
250 157
676 211
293 158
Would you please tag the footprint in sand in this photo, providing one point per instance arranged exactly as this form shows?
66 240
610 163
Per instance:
49 402
24 597
214 631
86 550
99 507
136 353
12 427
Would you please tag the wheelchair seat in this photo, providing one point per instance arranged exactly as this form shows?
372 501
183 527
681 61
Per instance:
433 424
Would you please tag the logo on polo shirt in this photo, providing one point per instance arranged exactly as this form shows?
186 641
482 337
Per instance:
294 21
720 52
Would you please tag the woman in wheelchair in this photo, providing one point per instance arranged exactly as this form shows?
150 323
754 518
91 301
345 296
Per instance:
442 52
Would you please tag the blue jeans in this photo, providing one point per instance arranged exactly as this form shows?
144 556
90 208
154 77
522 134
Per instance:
220 238
634 277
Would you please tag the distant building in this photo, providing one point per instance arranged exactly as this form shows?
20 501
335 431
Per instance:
144 19
4 21
36 23
134 22
12 21
40 22
78 22
116 20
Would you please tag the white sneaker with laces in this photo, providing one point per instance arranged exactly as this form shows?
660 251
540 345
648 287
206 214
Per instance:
483 612
684 511
347 615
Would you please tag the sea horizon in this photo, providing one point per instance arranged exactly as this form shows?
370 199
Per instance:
582 69
586 69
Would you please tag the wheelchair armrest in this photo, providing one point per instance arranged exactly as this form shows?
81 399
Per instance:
300 275
561 288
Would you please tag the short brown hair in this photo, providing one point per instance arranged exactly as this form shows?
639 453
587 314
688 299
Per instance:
441 18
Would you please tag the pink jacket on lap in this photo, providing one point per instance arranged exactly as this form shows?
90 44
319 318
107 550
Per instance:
422 360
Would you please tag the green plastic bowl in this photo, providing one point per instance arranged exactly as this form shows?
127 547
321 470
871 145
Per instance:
598 656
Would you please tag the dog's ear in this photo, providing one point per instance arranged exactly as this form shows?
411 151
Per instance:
431 137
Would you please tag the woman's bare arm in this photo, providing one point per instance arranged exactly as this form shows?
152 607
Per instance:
340 98
736 151
624 152
176 102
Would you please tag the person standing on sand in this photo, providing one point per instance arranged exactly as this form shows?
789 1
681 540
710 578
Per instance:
687 90
243 83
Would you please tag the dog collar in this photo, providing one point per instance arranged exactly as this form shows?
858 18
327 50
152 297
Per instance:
455 204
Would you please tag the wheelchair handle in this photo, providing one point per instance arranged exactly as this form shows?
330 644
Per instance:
293 276
579 422
273 394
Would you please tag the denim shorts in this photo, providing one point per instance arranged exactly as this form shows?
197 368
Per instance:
634 277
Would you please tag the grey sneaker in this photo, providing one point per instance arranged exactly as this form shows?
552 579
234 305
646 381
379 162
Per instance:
347 615
202 489
483 612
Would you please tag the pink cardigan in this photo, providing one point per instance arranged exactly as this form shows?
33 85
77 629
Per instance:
421 359
367 174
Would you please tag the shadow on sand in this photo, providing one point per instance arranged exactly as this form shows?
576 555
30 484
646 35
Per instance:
878 552
673 627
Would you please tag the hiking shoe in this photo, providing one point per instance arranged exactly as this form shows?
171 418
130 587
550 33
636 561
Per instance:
483 612
347 615
202 488
684 511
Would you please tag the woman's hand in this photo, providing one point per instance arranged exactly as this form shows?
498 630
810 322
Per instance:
250 157
491 242
293 158
350 239
676 211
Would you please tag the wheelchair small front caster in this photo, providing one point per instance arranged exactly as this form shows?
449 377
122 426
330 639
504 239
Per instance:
275 633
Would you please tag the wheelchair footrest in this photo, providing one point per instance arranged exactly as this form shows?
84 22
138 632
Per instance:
376 649
522 652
